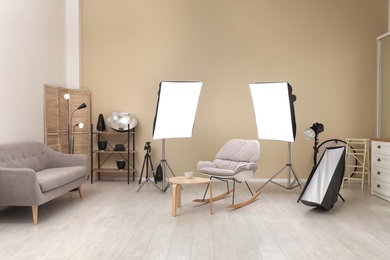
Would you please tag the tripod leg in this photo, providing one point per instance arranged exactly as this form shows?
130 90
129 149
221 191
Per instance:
296 178
270 180
151 166
170 169
341 197
165 165
142 171
142 184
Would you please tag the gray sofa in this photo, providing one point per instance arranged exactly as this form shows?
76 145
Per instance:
32 173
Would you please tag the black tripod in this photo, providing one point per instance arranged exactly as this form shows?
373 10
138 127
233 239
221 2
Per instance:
147 162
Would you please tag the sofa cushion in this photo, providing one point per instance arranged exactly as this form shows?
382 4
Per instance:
55 177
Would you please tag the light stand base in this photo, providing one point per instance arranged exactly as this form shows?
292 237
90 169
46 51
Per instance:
290 169
165 181
152 182
290 184
164 166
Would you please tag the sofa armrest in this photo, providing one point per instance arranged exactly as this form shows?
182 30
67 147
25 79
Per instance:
57 159
18 187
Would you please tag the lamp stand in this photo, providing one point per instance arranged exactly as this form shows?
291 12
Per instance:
315 148
164 166
69 123
69 139
73 128
71 134
290 184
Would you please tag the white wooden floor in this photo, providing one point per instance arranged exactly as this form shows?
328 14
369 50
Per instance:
113 221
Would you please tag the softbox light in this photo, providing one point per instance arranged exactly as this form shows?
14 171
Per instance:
176 109
323 185
273 103
274 110
175 117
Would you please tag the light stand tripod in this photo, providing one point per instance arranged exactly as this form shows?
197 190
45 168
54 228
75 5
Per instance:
174 118
164 166
290 184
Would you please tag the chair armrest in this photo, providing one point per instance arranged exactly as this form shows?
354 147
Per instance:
204 164
57 159
18 187
246 167
245 171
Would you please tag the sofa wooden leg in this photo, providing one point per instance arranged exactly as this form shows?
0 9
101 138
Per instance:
35 214
80 192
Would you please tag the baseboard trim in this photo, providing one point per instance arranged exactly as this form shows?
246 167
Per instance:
250 180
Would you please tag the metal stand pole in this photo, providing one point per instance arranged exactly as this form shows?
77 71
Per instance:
290 185
165 166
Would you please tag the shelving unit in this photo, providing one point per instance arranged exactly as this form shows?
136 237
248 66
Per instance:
106 160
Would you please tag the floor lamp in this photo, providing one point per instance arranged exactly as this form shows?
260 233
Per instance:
71 128
273 104
175 117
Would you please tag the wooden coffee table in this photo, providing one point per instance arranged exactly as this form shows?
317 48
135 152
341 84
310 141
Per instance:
178 181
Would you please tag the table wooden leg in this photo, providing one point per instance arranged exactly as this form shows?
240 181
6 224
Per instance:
211 199
178 196
174 200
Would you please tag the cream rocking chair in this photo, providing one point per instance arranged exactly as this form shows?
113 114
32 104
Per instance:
237 162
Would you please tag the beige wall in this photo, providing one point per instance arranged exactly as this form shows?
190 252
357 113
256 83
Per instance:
326 50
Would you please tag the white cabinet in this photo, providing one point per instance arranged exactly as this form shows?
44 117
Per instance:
380 168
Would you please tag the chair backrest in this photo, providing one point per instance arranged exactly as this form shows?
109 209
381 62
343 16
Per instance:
237 152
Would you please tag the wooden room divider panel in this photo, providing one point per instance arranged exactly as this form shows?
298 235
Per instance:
61 117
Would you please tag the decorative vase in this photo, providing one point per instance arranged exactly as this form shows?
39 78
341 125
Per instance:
119 147
121 164
101 126
102 145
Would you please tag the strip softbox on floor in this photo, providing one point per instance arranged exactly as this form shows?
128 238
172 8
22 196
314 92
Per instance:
323 185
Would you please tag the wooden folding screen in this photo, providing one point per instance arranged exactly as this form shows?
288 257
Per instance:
57 114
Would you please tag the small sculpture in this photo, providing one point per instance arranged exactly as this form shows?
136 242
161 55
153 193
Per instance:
101 126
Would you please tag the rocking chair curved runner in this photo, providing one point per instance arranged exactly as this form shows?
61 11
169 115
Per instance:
237 162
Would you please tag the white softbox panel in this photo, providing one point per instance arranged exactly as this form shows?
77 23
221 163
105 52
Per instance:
274 110
176 109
